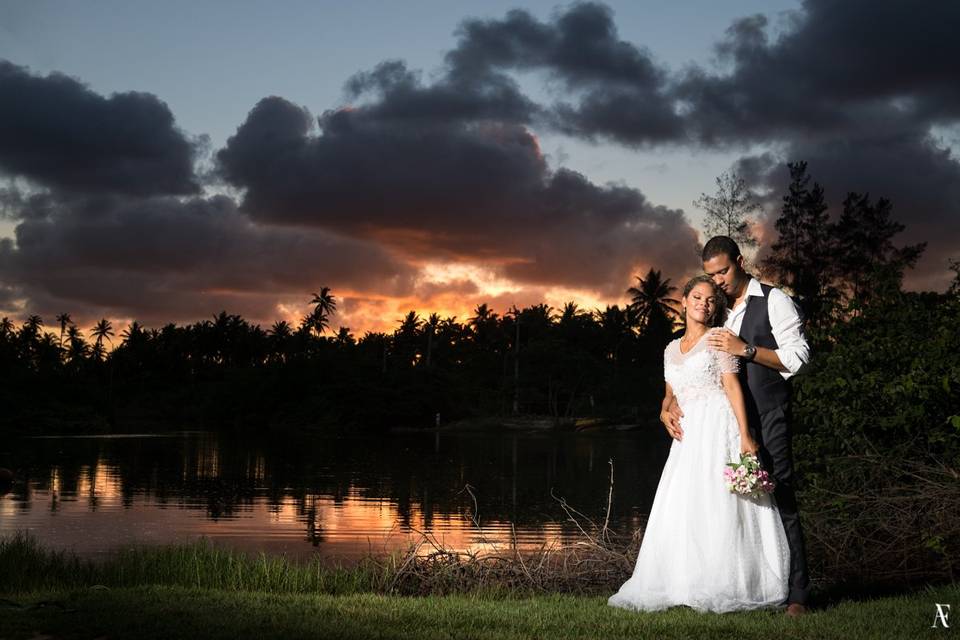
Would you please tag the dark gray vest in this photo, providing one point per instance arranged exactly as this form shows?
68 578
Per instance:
765 388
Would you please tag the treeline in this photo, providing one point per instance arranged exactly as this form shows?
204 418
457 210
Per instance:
846 274
226 371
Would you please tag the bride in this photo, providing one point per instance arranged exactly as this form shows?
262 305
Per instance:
703 546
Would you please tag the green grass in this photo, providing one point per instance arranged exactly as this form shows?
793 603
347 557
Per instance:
200 591
178 612
199 565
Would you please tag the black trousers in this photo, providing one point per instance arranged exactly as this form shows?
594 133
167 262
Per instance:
776 455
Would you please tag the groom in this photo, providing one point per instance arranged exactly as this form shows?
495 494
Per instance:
764 328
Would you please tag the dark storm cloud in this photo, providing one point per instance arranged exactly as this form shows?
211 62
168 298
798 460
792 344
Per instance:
163 258
60 134
580 46
8 293
590 236
838 68
853 88
611 88
448 169
400 94
618 90
447 189
362 171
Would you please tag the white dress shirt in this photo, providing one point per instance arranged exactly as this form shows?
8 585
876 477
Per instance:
793 349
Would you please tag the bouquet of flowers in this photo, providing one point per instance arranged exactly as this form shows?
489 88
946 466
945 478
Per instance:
747 477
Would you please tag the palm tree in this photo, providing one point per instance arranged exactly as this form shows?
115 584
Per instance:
614 330
571 311
430 326
97 352
410 323
379 343
324 306
281 329
539 317
483 323
405 337
32 325
102 330
47 352
651 296
344 337
132 333
29 337
280 334
77 349
64 320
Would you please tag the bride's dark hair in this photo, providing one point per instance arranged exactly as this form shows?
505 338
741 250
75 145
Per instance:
719 311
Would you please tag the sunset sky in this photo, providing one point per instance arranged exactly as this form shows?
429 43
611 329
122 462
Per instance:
165 161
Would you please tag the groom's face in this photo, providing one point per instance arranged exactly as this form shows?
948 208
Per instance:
726 272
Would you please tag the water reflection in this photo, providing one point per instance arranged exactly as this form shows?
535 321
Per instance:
338 497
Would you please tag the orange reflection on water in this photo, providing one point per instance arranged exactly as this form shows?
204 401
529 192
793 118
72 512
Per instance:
96 518
98 481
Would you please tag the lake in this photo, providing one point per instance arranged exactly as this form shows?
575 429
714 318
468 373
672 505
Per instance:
337 497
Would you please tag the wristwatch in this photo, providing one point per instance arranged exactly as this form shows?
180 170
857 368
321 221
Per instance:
749 351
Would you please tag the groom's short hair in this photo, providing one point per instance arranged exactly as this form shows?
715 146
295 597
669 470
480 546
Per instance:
720 245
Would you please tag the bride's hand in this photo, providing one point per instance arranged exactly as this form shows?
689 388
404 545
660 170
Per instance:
748 445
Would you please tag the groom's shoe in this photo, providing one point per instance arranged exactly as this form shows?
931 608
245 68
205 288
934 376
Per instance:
795 609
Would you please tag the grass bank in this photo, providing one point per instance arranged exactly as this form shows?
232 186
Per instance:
199 590
181 612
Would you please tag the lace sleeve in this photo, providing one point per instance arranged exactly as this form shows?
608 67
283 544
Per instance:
728 363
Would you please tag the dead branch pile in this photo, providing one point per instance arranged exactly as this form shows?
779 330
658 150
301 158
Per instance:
868 520
883 519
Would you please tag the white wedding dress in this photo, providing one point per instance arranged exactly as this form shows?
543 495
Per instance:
703 546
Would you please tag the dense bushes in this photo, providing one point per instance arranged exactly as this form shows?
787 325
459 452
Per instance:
877 444
886 380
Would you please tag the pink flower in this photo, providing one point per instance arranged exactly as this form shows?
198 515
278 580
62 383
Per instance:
747 477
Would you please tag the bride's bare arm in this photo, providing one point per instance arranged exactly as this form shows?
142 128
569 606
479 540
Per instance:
731 385
669 416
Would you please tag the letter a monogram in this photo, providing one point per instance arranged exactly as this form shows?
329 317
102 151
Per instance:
943 610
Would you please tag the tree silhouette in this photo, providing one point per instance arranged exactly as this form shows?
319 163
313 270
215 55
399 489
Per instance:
651 297
223 370
867 264
954 289
407 337
484 325
344 337
431 329
801 259
63 320
279 337
77 348
103 330
324 306
729 211
33 324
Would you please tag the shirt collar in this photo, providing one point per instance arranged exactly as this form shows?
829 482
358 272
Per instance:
754 288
